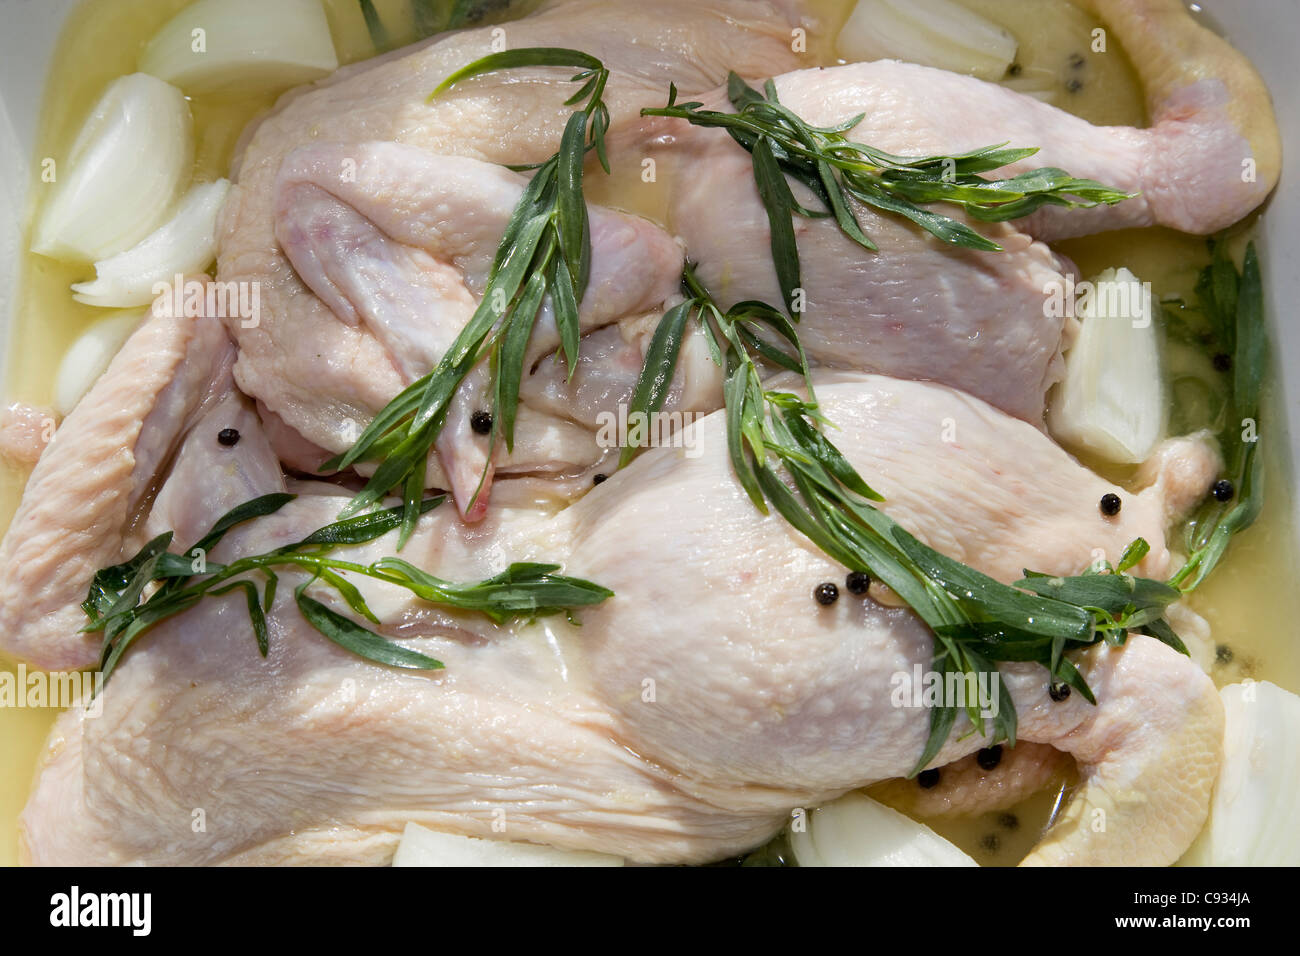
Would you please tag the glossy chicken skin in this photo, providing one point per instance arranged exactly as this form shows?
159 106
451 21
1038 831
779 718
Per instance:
918 309
397 243
711 696
685 718
980 321
329 392
89 492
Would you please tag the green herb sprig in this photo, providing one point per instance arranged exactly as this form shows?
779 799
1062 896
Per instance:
546 251
375 26
838 170
783 461
116 604
1232 304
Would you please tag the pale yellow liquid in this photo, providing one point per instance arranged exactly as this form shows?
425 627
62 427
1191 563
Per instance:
1248 601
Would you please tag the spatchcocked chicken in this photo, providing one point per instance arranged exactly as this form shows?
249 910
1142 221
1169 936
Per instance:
711 695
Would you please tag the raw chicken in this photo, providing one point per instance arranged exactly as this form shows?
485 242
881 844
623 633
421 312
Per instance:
24 432
917 309
1213 152
328 393
1149 754
85 499
685 718
208 477
977 320
711 696
966 788
400 248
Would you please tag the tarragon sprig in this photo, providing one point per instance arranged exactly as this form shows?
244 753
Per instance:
117 605
838 170
545 253
1232 304
784 461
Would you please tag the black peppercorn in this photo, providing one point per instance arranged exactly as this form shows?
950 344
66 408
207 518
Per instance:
825 594
481 422
928 779
228 437
1222 362
1110 504
857 582
1058 692
989 757
1223 490
597 479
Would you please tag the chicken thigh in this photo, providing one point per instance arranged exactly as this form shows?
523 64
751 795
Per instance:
982 321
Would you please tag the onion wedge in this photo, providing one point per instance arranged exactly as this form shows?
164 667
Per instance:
1257 796
185 245
1112 400
128 165
938 33
858 831
242 46
89 356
